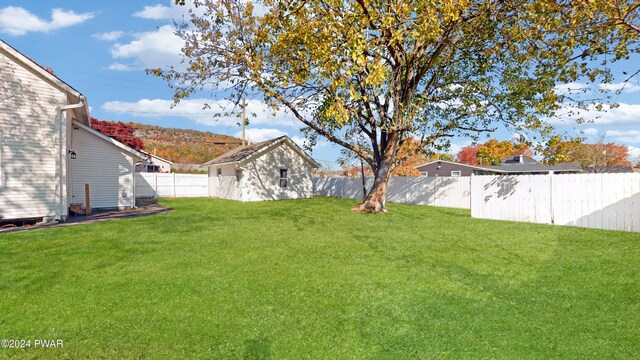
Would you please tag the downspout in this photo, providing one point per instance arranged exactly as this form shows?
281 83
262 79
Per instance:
63 156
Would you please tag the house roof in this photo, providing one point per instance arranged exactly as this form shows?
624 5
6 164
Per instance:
535 168
27 62
610 169
517 168
455 163
157 157
104 137
243 153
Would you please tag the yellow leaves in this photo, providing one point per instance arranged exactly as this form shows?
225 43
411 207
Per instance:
338 111
378 74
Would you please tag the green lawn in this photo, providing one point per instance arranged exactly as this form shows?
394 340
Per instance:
311 279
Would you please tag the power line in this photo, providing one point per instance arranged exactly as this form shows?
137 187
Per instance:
160 113
113 85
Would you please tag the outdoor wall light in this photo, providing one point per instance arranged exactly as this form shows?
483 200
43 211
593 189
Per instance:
72 155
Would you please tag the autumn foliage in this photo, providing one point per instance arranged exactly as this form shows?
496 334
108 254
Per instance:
120 131
492 152
469 154
411 155
593 157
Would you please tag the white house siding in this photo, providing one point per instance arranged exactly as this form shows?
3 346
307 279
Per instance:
107 169
165 166
261 176
226 185
30 140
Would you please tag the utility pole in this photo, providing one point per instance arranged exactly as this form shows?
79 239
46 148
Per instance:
364 180
244 121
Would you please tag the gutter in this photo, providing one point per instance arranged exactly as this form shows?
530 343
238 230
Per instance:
62 156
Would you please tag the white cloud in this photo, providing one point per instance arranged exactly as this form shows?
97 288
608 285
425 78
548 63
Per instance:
625 87
119 67
570 88
168 12
257 135
634 154
624 114
151 49
19 21
173 11
590 131
193 109
624 136
618 133
108 36
155 12
455 148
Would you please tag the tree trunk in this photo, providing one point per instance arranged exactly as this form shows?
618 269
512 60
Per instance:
375 200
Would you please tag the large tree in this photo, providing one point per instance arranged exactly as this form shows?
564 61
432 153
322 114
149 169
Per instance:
596 157
493 152
123 132
389 70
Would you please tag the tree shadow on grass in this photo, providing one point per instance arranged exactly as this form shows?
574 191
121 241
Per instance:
257 348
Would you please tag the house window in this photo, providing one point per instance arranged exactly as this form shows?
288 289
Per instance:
283 178
219 172
425 173
456 173
238 175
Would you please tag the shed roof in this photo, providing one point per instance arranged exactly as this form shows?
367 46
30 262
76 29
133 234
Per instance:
108 139
243 153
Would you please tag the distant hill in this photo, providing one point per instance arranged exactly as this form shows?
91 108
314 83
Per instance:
184 146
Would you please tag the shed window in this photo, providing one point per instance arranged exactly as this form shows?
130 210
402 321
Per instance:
219 172
456 173
425 173
238 174
283 178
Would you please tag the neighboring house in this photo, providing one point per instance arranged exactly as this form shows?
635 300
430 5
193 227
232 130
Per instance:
521 164
446 168
48 150
609 169
153 164
512 165
271 170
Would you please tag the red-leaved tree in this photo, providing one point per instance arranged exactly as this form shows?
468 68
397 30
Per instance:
119 131
469 154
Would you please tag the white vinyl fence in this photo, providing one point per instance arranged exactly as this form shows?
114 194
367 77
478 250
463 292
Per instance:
600 201
436 191
150 185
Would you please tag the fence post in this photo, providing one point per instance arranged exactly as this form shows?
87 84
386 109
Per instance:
155 185
174 185
551 197
471 189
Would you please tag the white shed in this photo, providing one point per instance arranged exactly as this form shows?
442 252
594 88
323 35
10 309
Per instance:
271 170
48 150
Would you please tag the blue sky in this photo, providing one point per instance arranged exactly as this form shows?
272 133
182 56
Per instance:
102 49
